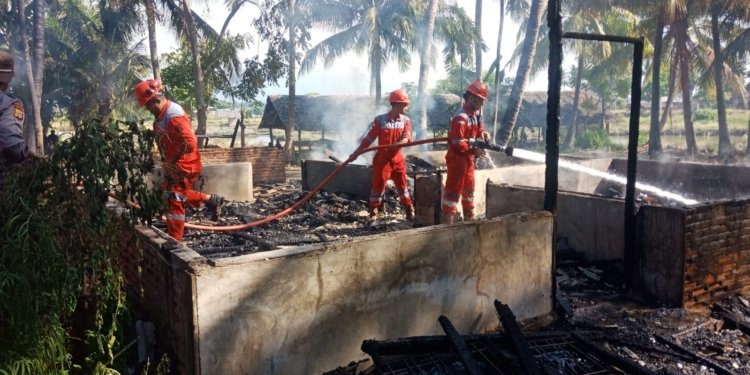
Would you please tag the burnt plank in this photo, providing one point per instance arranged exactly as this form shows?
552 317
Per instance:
521 346
459 346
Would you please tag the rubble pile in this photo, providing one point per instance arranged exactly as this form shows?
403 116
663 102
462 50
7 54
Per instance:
598 328
715 340
325 217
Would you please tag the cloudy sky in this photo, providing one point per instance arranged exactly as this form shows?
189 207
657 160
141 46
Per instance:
349 75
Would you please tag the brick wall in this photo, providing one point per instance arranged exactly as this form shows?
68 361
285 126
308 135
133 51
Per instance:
159 285
717 252
268 162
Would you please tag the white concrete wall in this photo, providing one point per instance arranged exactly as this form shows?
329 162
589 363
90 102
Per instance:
232 180
593 225
305 310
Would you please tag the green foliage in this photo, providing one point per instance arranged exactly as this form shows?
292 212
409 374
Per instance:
704 114
60 296
593 139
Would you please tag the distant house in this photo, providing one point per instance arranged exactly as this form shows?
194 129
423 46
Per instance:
220 113
534 109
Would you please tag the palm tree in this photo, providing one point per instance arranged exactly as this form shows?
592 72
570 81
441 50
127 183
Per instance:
508 121
34 137
424 64
478 44
595 20
96 61
735 51
725 18
380 28
654 137
725 143
152 45
190 25
518 10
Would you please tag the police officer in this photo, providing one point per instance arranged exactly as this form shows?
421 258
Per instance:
13 149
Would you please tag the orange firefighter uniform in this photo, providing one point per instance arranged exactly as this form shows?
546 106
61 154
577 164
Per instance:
466 126
388 163
182 165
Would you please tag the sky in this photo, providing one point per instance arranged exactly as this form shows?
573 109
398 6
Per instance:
349 75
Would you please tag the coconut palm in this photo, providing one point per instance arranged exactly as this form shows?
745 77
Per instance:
528 53
449 18
727 21
191 27
382 29
478 45
735 53
518 10
96 60
589 19
425 60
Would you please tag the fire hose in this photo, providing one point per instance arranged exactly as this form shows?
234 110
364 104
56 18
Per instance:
230 228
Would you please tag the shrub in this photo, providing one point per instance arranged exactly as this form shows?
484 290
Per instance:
704 114
61 296
593 138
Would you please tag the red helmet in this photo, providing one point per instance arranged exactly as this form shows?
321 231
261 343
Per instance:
398 96
147 90
478 88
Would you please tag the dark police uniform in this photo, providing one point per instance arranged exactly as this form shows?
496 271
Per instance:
13 148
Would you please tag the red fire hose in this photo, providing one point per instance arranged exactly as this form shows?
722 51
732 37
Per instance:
230 228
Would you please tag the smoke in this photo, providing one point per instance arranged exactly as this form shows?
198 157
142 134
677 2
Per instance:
349 117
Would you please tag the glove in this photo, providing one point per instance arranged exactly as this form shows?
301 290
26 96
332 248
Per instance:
479 152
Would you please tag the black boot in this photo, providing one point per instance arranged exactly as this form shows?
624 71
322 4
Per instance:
214 206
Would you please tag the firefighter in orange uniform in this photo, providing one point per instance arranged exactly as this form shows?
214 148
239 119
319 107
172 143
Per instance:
391 128
466 127
182 160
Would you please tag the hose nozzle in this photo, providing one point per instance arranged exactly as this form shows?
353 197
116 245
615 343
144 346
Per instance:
479 143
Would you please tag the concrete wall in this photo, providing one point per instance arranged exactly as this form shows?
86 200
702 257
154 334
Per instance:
268 162
307 309
355 180
698 181
232 180
592 225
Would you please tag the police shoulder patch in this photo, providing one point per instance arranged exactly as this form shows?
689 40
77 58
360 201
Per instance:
18 110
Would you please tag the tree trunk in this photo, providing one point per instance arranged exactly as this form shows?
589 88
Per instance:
424 68
570 137
498 57
654 135
377 66
478 43
289 143
725 143
151 20
200 101
39 50
34 136
684 56
670 96
524 68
